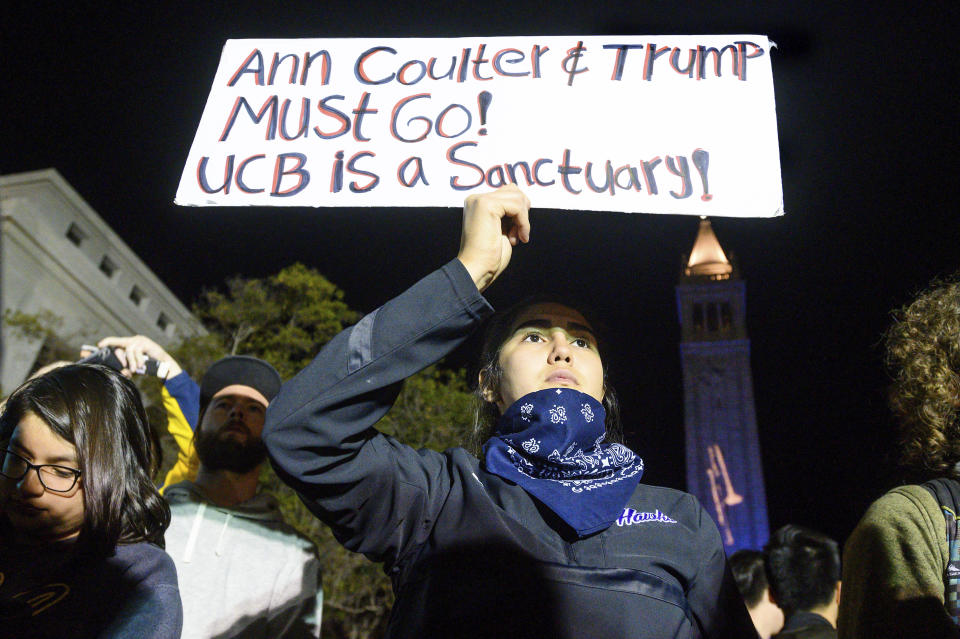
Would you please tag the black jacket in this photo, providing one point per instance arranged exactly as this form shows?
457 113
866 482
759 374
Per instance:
806 625
471 554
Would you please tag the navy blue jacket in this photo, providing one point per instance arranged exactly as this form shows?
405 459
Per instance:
471 554
53 591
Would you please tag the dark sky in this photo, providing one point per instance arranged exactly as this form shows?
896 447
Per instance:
866 107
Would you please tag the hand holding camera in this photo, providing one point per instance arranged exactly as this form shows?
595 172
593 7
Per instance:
136 354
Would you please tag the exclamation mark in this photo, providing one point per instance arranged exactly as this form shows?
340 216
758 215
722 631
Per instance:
483 101
701 160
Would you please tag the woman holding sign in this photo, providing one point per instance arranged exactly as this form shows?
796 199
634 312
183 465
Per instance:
549 533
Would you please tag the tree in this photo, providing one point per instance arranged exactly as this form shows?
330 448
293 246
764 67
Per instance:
44 326
285 319
282 318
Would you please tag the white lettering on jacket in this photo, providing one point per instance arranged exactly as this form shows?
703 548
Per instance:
629 516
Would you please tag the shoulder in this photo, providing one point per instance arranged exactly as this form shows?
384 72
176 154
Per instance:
184 492
181 383
292 538
144 563
678 504
262 524
904 529
905 506
460 457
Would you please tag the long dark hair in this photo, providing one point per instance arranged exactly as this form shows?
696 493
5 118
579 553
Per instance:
487 413
99 411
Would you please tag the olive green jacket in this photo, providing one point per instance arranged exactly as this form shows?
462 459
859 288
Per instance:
893 570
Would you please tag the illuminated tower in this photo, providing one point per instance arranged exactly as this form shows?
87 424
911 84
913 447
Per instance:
723 452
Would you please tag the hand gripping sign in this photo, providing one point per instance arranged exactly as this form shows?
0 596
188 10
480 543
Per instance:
653 124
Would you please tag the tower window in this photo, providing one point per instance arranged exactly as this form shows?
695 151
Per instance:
712 320
726 316
107 266
75 235
698 317
164 323
137 296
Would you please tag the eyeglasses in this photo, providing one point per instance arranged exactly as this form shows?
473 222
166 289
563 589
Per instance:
59 479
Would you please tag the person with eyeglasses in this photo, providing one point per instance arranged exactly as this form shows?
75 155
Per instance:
81 522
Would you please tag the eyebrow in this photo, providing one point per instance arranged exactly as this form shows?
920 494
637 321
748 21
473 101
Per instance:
546 324
240 398
69 459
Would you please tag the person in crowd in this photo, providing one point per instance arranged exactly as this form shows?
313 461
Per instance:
179 394
81 523
243 571
550 533
803 570
751 577
901 566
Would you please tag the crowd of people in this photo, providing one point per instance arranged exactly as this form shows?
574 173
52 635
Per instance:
529 530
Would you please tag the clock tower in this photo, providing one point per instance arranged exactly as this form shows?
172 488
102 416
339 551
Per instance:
723 452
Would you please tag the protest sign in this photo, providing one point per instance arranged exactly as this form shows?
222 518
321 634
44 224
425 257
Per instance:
655 124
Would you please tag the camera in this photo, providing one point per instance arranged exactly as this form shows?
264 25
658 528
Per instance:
108 357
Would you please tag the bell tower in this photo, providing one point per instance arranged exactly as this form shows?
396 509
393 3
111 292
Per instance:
722 449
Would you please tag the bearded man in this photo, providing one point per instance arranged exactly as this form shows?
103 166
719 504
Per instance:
243 572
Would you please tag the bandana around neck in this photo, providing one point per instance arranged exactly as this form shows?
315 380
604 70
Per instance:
550 443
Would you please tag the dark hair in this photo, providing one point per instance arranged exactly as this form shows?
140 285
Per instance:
750 575
99 411
803 568
491 373
923 357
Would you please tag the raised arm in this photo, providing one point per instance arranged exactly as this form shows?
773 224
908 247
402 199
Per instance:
493 223
378 495
180 396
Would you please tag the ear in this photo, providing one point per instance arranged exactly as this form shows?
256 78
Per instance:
837 594
771 598
488 394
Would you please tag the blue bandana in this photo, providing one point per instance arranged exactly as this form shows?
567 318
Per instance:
550 443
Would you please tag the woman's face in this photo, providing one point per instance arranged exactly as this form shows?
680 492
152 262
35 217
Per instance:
550 346
35 512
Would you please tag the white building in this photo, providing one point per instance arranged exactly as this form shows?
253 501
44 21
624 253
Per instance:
57 255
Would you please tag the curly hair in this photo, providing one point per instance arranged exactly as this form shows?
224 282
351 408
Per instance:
923 356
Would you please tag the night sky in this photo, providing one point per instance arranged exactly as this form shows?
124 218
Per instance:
866 109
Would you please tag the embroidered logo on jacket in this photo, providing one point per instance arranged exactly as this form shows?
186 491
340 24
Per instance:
629 516
32 602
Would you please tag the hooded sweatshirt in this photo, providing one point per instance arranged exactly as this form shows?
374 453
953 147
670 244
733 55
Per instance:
243 572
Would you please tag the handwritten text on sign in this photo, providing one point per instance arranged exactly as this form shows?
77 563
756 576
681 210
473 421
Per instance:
659 124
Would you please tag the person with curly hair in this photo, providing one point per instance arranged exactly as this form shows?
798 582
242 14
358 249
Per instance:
898 577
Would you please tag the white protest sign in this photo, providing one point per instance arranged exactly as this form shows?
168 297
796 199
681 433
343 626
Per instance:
654 124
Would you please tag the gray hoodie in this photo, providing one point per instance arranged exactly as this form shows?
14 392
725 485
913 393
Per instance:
243 572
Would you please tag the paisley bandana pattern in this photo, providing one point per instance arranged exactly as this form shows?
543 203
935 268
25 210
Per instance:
550 443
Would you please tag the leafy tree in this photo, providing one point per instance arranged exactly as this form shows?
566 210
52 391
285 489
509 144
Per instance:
46 327
282 319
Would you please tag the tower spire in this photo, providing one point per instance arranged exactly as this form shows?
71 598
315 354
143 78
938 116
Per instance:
707 258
